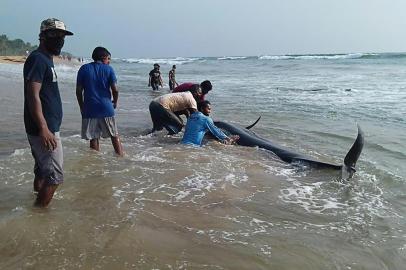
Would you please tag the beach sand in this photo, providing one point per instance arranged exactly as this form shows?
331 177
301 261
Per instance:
12 59
19 59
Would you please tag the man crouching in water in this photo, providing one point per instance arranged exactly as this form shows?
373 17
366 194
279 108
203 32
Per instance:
199 123
166 109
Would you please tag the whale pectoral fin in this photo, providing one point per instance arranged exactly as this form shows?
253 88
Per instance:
252 125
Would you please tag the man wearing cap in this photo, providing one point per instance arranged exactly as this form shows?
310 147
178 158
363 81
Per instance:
155 78
205 86
43 110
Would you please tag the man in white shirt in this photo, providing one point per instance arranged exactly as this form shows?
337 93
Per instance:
165 110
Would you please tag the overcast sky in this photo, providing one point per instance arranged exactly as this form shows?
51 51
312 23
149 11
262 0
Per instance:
167 28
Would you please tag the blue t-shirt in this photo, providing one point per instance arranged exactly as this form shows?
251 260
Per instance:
96 79
39 67
197 125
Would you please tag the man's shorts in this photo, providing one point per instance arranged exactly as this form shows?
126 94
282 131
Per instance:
48 164
94 128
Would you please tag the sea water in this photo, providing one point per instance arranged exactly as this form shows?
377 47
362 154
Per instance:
170 206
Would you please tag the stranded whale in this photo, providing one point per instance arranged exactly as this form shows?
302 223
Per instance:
249 138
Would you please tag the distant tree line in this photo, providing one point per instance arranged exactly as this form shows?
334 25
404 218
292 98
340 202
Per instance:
14 47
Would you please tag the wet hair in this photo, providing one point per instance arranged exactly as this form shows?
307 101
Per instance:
206 86
203 104
174 66
99 53
156 65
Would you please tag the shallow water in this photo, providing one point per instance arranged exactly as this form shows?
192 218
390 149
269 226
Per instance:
169 206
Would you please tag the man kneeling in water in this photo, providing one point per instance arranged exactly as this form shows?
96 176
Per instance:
199 123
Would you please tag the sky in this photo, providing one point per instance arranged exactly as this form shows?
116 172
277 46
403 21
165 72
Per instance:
171 28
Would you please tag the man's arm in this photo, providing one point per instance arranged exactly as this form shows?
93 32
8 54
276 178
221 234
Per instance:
35 108
161 82
215 130
149 80
219 134
79 96
114 93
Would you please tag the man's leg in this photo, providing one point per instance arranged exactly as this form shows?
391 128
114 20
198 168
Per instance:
118 148
38 180
155 110
95 144
38 183
173 123
45 195
48 170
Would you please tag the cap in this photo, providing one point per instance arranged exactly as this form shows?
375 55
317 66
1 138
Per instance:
54 24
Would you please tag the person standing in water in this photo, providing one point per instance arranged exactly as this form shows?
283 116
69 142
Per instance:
43 110
172 80
96 84
155 78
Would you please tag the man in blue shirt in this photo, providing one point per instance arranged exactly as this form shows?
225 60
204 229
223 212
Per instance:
96 84
43 110
199 123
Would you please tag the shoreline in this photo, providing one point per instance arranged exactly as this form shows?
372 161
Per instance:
20 59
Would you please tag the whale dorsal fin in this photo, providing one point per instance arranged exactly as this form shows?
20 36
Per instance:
250 126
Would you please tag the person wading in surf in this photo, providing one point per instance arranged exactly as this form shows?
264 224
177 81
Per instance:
172 79
155 78
43 110
96 84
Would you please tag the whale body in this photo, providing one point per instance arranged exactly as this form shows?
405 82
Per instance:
249 138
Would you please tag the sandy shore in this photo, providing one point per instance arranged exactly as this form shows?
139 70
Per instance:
12 59
19 59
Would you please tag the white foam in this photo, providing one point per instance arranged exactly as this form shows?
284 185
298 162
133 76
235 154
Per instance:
232 58
167 61
315 56
19 152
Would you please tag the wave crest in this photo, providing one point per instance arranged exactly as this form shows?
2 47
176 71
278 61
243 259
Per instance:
167 61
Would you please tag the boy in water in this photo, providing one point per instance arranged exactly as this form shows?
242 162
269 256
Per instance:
155 78
172 80
199 123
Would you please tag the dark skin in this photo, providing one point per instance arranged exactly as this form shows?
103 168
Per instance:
48 140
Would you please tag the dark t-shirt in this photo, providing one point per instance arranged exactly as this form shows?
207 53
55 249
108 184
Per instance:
40 68
155 76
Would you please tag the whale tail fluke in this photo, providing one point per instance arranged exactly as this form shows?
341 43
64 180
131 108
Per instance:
252 125
352 156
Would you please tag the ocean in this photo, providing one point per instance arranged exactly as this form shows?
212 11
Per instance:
169 206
